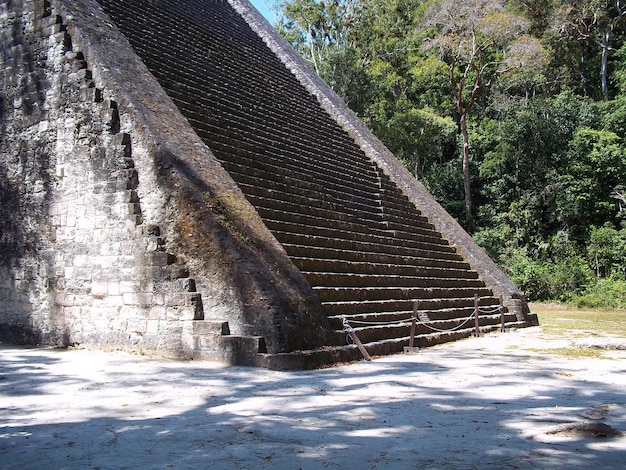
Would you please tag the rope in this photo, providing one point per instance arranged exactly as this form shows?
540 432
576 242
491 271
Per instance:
348 328
489 310
375 323
449 329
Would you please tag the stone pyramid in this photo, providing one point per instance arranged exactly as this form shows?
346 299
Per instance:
176 180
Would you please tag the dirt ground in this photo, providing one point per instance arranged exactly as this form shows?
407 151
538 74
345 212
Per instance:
496 402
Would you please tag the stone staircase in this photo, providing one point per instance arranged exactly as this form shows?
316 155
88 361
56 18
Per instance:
366 250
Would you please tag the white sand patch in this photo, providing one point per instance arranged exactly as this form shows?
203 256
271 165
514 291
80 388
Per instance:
488 402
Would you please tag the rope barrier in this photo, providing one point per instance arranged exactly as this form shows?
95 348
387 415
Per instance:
449 329
408 320
404 321
489 311
373 323
423 319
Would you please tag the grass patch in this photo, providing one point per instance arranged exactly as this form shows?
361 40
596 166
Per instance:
572 353
559 319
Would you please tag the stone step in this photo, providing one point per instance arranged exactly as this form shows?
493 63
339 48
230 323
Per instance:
207 328
307 160
391 341
309 359
427 268
228 95
331 279
373 333
330 212
408 215
251 160
393 307
293 233
266 181
398 206
353 294
265 176
317 358
211 340
275 132
270 190
360 319
258 103
384 255
423 265
353 240
305 221
435 317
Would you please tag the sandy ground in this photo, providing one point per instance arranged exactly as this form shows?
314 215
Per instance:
483 403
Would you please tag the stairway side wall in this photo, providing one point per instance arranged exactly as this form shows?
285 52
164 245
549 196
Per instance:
111 202
79 265
489 272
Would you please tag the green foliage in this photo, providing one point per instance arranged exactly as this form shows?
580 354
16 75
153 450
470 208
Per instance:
606 251
619 74
559 279
419 137
605 293
445 183
428 81
612 116
596 165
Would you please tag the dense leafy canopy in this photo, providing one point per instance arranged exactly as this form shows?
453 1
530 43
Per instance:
513 113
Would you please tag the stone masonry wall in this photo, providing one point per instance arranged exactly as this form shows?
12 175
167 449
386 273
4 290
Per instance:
27 261
79 265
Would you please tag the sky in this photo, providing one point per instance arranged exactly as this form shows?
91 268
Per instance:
265 7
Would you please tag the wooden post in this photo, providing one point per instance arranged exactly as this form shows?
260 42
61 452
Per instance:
356 339
413 324
476 315
411 347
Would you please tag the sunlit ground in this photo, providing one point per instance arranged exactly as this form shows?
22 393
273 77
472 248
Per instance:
572 323
559 319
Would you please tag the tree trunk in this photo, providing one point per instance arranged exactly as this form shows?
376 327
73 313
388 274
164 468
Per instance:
466 175
604 72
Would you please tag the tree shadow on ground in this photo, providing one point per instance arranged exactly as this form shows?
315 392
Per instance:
452 409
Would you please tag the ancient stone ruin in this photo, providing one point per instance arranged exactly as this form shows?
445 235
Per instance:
175 180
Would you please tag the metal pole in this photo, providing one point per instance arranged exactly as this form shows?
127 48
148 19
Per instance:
502 328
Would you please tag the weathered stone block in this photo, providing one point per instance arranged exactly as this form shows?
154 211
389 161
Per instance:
160 258
99 289
80 75
159 299
153 326
138 327
111 302
113 288
180 312
126 289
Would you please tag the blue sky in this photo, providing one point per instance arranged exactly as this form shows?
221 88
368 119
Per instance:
265 7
